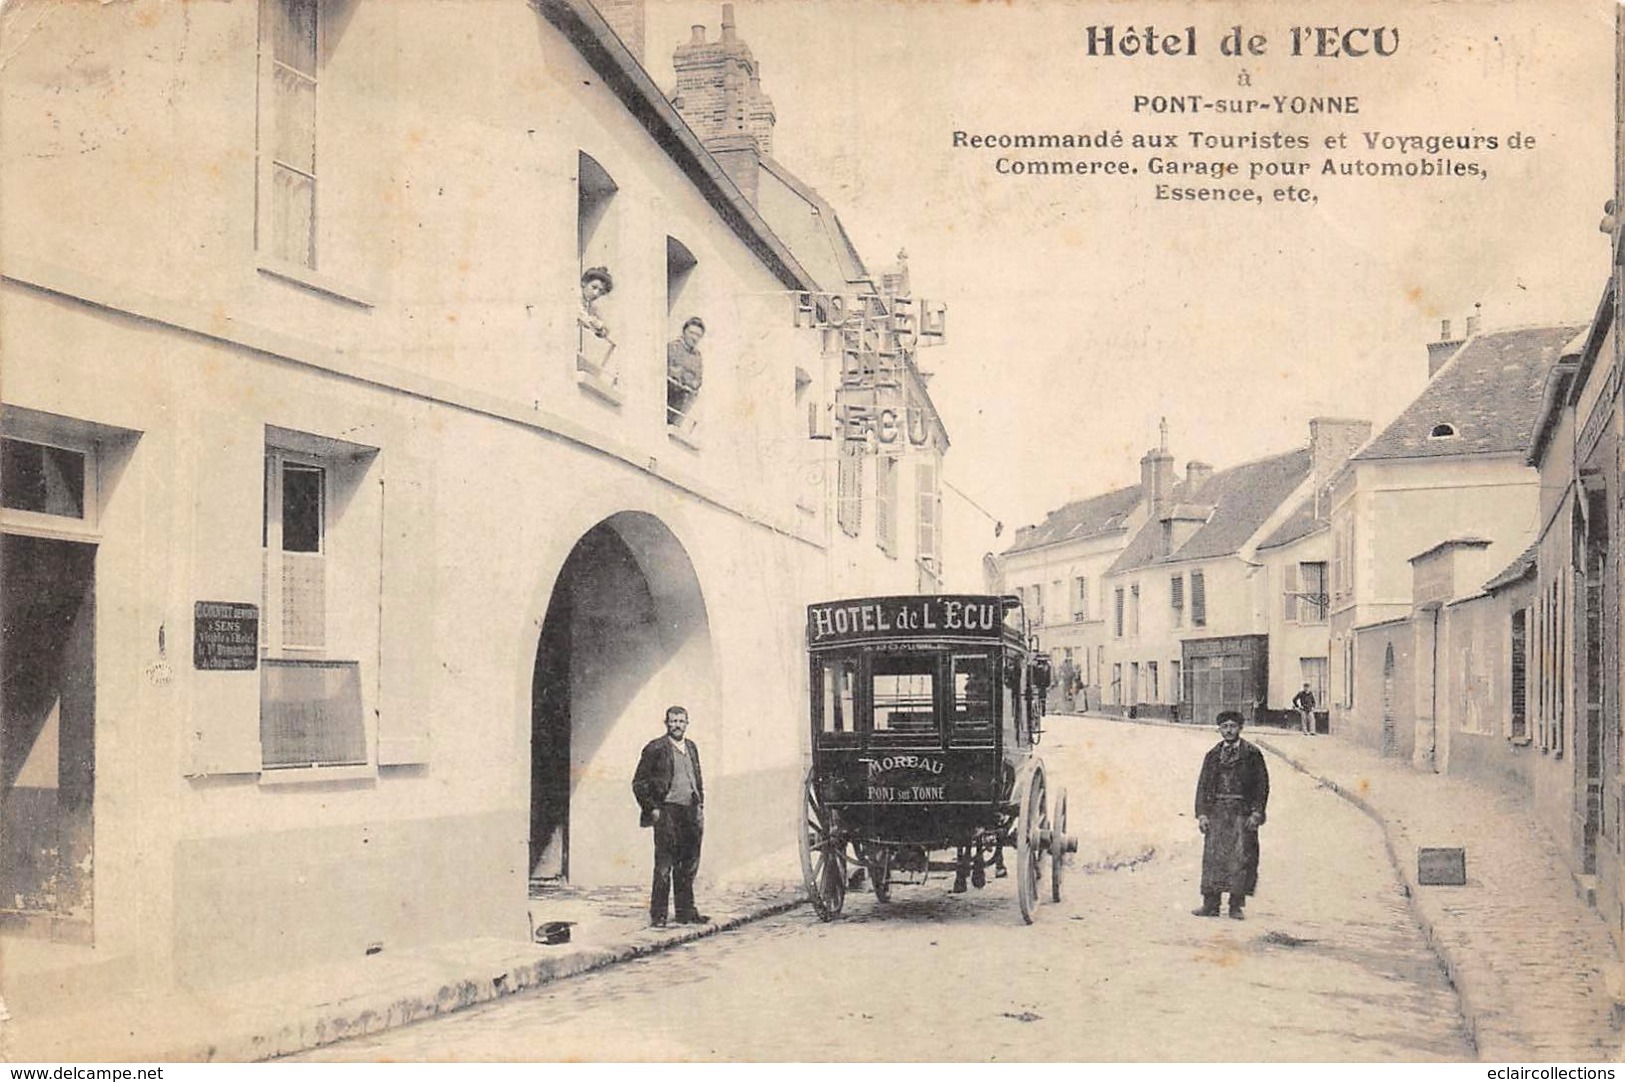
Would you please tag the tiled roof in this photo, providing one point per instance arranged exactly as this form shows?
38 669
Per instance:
1516 571
1489 393
1242 498
1079 519
842 255
1300 524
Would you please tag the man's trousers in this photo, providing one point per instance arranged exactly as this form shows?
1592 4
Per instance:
677 858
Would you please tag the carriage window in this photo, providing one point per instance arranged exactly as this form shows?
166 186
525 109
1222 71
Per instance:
904 690
840 680
973 697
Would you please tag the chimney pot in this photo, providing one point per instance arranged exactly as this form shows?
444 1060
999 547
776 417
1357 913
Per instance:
1472 324
1444 326
698 31
727 22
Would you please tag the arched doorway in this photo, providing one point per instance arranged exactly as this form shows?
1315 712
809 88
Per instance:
626 635
1390 738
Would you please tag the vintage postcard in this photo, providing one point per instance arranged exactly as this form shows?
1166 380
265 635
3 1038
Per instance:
837 530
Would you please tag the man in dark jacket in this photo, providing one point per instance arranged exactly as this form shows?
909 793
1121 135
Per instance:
671 793
1304 703
1231 794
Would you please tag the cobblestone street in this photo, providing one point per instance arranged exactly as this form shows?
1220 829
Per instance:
1330 963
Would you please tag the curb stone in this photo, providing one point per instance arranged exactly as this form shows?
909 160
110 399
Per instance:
1393 836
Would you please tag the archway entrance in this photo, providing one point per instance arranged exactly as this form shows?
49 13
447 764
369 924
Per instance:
625 636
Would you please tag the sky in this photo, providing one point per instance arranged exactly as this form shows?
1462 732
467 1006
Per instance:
1083 309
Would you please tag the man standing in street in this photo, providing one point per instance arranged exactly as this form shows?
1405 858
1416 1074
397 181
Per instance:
1304 703
670 790
1231 794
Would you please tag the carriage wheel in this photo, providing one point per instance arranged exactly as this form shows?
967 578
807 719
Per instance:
1029 848
823 855
1057 853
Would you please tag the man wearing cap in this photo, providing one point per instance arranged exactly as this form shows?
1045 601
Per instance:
670 790
1231 795
1304 703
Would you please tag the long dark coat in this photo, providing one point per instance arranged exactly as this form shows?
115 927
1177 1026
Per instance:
1232 787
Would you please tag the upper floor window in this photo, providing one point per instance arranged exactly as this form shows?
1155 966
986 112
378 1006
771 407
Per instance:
1117 612
684 368
1080 599
1134 609
290 32
1310 593
1176 599
42 479
1198 599
595 342
313 628
1442 431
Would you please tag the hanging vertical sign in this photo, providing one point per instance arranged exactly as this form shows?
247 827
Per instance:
876 336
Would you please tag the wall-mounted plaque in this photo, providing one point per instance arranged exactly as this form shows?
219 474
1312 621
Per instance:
225 635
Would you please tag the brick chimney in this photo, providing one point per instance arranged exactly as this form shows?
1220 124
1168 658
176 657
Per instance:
1157 478
1331 441
1441 351
627 19
719 94
1197 475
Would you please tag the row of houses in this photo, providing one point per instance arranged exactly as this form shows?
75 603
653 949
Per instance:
1187 594
561 395
1448 588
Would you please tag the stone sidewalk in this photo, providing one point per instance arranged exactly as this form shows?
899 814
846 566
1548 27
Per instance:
1531 961
262 1019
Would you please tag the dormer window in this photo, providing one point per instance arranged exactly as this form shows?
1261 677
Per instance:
1443 431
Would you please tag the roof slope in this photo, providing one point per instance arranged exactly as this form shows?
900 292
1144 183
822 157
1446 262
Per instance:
1298 525
842 255
1242 497
1517 570
1079 519
1489 392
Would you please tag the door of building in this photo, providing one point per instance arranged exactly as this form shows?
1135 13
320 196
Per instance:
47 735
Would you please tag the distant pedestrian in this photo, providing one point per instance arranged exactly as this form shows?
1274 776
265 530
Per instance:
1304 703
671 793
1231 794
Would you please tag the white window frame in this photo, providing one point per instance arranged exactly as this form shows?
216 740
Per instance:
272 616
57 527
269 65
333 457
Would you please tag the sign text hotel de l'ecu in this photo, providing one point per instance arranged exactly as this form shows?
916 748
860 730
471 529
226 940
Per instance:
876 334
832 622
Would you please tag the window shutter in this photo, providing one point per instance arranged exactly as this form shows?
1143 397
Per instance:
1289 593
930 511
1117 618
1520 679
1198 599
408 594
849 492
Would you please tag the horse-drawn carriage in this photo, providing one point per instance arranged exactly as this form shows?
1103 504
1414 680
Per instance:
925 713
